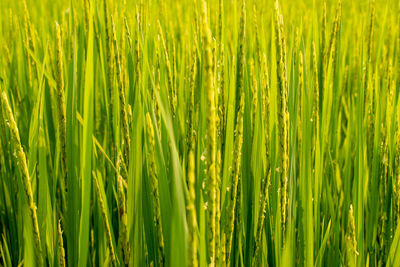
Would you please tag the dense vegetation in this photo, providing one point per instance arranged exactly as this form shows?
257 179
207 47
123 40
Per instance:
195 133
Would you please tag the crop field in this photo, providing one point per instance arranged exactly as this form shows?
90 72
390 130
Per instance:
193 133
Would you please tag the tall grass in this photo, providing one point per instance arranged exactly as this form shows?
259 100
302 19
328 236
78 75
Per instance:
199 133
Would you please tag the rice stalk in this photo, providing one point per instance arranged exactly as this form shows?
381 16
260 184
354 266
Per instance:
351 242
385 158
241 56
266 180
218 207
220 80
211 135
109 60
368 87
61 103
171 96
152 167
265 106
92 245
123 233
330 53
192 220
123 59
283 114
257 37
221 100
190 135
369 47
261 218
233 188
122 99
23 167
158 79
105 221
383 217
254 92
61 251
128 32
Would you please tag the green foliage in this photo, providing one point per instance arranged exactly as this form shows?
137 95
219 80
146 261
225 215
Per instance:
199 133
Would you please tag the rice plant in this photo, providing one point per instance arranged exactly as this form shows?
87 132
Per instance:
199 133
